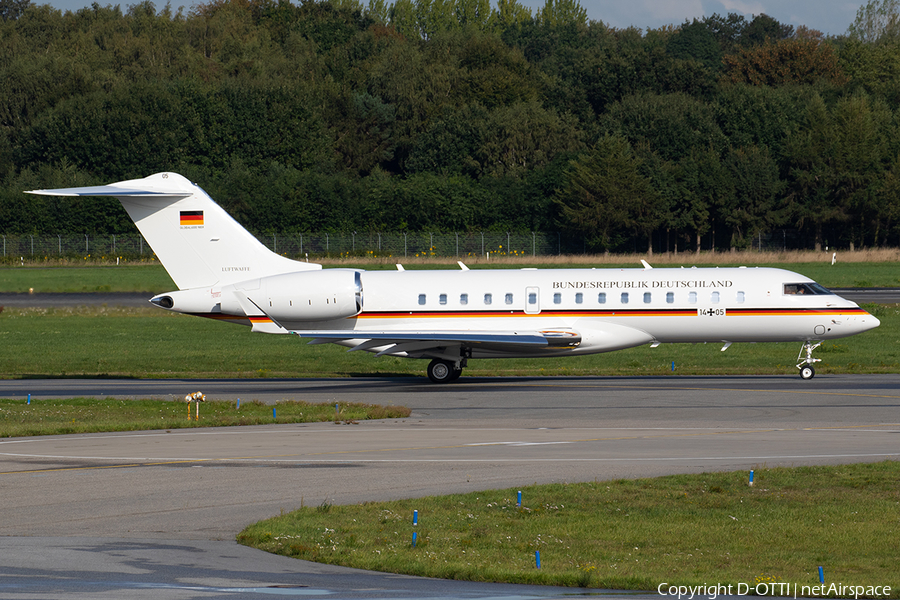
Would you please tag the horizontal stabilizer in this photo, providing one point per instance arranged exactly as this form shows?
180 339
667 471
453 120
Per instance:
111 190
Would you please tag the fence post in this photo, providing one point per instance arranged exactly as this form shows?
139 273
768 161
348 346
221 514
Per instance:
404 245
457 244
32 244
60 244
114 244
86 245
4 246
533 245
301 244
274 243
482 243
353 241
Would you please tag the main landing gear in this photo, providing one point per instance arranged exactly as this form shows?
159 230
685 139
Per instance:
444 371
806 364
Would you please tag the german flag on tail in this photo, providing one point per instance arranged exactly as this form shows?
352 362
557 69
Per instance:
192 217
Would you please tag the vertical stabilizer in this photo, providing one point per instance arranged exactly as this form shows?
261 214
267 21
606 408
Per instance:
198 243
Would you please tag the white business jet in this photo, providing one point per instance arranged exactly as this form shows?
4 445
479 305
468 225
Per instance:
223 272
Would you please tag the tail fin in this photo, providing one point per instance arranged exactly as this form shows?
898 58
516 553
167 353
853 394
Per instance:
198 243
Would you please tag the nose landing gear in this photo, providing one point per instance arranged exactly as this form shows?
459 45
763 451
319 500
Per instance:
805 364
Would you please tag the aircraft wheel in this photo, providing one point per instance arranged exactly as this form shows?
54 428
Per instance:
456 374
441 371
807 372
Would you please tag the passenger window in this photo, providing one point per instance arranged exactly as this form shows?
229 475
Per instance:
601 298
488 298
647 297
508 299
715 297
670 297
692 297
557 298
624 298
463 299
532 298
442 299
421 299
579 298
740 297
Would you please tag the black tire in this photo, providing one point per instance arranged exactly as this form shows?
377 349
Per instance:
441 371
807 372
456 374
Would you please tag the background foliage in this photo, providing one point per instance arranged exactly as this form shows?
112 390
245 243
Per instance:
459 115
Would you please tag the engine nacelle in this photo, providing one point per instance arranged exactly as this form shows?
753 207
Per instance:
301 296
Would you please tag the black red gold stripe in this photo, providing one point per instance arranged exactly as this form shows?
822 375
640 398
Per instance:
792 312
191 217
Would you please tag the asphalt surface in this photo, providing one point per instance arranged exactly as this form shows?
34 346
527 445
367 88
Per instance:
154 514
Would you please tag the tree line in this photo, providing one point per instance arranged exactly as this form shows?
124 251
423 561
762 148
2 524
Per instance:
459 115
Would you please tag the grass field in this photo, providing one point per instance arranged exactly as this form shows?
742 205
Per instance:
625 534
89 415
148 342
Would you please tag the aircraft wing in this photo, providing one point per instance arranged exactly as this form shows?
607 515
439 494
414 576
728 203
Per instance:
421 341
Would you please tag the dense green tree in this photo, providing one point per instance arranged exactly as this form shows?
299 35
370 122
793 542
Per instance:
672 124
510 13
754 202
694 40
605 195
764 29
834 161
13 9
557 13
759 115
874 68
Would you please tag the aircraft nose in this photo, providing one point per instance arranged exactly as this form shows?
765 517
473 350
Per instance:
866 322
871 322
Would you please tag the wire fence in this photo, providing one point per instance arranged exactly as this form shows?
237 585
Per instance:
301 245
376 244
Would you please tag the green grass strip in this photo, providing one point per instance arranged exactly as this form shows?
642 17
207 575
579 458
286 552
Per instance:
149 276
705 529
149 342
90 415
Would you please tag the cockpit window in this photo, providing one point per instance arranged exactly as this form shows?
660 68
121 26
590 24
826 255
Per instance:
811 289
